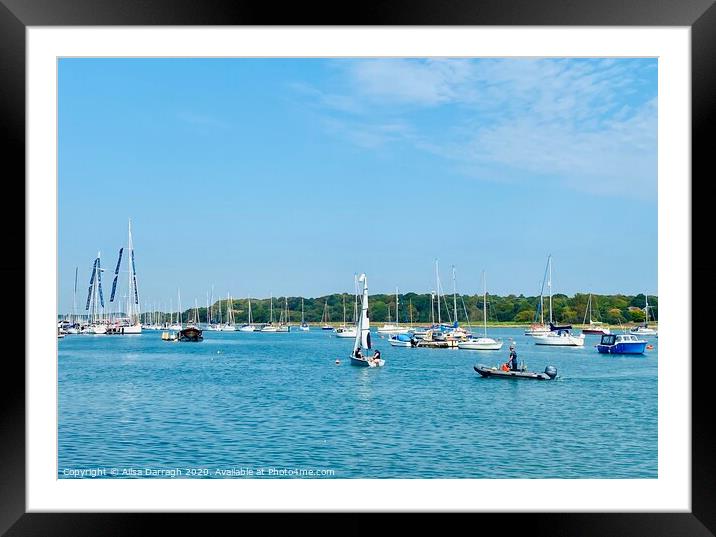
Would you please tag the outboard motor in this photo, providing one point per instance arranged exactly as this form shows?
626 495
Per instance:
550 371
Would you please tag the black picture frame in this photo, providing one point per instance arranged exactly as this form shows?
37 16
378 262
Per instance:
16 15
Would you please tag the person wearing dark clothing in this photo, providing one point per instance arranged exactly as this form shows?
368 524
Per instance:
513 358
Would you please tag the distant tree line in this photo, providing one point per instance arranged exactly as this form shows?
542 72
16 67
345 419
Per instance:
612 309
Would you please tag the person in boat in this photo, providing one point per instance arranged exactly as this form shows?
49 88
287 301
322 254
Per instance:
376 355
358 353
513 357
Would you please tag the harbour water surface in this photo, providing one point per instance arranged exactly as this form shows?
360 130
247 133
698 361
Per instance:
240 402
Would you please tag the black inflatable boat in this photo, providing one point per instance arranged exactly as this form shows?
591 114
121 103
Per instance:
550 372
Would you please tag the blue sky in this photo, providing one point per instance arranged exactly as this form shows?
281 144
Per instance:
287 176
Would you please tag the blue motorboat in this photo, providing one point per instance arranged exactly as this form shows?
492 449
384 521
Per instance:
621 344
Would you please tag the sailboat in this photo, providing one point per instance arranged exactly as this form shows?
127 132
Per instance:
558 335
389 328
270 327
304 325
74 327
283 320
345 331
326 318
644 330
131 324
361 346
95 299
537 328
177 325
595 327
248 327
483 343
230 324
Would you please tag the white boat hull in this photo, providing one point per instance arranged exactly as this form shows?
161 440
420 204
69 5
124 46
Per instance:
399 343
269 329
480 344
643 332
248 328
559 341
349 333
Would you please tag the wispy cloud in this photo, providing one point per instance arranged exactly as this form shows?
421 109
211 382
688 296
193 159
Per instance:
588 124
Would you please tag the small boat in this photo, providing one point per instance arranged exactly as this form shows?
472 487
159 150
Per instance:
594 327
436 339
550 372
621 344
346 331
402 340
249 326
270 327
536 329
362 341
325 319
644 330
304 325
482 343
190 333
561 337
170 336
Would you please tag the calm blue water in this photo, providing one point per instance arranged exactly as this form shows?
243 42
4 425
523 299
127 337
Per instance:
278 402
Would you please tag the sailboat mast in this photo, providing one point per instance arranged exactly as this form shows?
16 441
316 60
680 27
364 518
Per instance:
271 309
549 283
454 294
74 299
484 301
397 318
437 282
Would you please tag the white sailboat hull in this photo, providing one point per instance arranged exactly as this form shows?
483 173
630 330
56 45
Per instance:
559 340
480 344
133 329
268 329
248 328
641 331
346 332
399 343
392 330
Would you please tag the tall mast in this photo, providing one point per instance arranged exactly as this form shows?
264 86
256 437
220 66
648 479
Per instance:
355 298
484 302
454 293
344 309
410 310
74 299
249 299
549 284
432 308
271 310
437 281
303 321
397 319
179 307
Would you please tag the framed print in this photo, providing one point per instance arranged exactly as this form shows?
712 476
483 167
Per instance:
199 178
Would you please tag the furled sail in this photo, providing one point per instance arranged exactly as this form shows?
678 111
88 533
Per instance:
134 279
99 282
116 275
91 283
